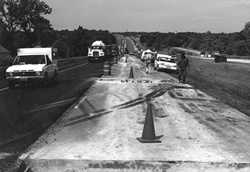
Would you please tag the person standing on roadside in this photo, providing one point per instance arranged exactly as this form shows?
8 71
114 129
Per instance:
182 65
148 60
126 54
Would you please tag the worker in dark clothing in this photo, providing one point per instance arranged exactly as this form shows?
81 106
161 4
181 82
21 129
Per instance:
126 53
182 65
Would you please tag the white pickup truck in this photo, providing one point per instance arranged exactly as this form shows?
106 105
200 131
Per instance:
35 65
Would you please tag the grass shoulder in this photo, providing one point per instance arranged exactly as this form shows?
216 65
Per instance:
227 82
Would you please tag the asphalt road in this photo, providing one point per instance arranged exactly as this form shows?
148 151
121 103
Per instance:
198 52
27 111
246 61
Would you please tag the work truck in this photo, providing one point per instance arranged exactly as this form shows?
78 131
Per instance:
96 52
33 65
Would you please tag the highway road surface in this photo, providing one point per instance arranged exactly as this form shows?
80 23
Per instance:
26 111
246 61
100 131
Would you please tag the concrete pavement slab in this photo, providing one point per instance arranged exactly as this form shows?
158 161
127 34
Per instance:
99 132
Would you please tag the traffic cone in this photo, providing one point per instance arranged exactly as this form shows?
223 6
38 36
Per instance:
107 68
131 74
148 134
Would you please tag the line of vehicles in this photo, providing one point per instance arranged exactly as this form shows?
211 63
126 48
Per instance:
40 65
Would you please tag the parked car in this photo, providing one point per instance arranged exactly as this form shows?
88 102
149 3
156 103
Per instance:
220 58
166 62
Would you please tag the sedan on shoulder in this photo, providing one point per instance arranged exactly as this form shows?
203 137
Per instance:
165 62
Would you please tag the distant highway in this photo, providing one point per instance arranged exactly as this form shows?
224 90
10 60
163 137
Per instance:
247 61
198 53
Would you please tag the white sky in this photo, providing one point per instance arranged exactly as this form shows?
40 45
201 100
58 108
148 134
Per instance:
150 15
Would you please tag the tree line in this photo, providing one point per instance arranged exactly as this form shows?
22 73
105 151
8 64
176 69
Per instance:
237 43
23 25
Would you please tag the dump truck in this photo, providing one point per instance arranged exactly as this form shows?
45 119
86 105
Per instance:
33 65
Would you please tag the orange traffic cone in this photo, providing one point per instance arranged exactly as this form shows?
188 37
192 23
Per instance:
148 134
131 74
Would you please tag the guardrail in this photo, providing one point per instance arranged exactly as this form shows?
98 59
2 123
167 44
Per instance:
70 60
62 63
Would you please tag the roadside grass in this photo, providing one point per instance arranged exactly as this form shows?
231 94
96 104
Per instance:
228 82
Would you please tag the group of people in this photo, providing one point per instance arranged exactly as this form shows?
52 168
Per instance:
182 64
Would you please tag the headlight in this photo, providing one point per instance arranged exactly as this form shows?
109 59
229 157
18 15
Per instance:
102 54
39 73
9 73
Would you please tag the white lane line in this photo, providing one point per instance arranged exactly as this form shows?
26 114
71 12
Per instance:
52 105
3 89
72 68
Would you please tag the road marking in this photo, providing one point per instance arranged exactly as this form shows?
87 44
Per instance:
72 68
3 89
51 105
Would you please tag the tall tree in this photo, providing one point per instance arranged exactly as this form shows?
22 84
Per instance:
246 30
25 16
31 14
10 15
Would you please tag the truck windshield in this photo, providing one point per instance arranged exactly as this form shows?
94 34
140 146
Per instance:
30 59
96 47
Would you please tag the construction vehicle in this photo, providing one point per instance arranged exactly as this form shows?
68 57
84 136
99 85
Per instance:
96 51
33 65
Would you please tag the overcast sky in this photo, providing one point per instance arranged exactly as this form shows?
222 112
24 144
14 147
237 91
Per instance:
150 15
